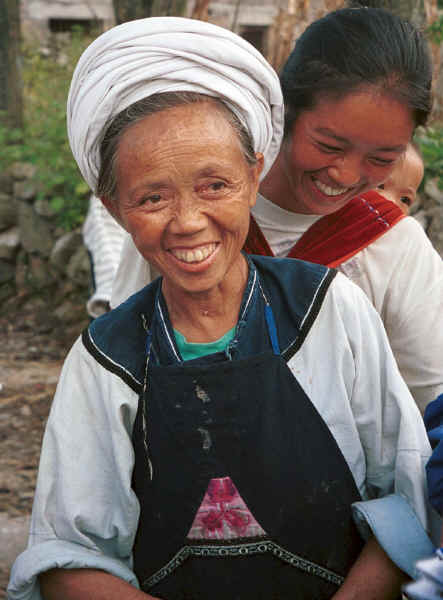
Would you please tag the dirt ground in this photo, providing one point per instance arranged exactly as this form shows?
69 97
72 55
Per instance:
33 345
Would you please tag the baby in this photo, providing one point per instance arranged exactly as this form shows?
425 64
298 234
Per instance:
402 184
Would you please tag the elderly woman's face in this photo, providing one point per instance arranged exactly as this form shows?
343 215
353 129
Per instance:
184 192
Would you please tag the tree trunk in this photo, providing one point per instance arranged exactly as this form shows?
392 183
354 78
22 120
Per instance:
200 10
170 8
11 102
128 10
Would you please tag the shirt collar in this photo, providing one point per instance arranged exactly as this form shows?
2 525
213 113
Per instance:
250 335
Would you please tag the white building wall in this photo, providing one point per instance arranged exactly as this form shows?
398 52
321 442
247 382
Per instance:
37 13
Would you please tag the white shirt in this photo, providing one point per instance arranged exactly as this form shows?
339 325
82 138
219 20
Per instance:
103 237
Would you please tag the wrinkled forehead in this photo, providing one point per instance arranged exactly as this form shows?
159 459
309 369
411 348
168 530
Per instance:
205 119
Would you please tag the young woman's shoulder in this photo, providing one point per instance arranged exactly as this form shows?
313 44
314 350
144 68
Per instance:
402 260
411 231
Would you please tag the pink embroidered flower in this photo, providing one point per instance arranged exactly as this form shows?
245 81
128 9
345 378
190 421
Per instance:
238 520
222 490
212 520
223 514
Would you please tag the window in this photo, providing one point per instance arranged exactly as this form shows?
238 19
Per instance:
255 35
66 25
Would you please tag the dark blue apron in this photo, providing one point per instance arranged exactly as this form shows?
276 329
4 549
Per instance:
244 493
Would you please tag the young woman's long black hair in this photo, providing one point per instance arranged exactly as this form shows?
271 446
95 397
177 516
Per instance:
354 48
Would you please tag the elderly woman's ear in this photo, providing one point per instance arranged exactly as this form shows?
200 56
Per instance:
256 171
111 205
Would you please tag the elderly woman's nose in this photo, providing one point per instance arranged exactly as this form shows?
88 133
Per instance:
188 217
346 171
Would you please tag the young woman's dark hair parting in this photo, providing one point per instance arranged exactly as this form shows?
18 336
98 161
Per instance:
354 48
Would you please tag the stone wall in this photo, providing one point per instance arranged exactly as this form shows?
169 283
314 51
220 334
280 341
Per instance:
430 213
43 265
40 264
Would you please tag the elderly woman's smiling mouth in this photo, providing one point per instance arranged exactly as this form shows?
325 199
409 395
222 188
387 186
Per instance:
195 255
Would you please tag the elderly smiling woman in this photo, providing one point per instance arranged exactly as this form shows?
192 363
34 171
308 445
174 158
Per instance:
238 428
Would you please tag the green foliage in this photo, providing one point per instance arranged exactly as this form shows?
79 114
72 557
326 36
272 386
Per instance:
430 141
43 141
435 30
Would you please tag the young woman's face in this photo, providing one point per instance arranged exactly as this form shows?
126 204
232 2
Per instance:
342 148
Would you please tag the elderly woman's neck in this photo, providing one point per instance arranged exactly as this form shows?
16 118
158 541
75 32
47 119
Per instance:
207 315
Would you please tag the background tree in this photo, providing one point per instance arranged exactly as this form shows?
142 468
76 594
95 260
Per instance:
128 10
200 10
11 104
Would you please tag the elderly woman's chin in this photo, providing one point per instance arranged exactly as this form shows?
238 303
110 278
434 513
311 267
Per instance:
185 190
200 269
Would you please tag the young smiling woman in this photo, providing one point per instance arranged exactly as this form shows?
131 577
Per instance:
356 85
337 150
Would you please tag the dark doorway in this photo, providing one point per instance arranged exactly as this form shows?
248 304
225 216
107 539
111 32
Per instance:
255 35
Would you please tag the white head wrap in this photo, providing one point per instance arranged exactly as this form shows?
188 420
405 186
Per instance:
164 54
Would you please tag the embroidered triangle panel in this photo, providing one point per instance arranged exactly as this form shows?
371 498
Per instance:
223 515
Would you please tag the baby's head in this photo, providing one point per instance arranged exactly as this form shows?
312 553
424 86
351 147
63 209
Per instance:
402 184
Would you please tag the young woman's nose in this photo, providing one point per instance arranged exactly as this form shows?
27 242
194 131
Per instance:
346 171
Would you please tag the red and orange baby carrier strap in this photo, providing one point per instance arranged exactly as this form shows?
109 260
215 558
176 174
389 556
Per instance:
334 238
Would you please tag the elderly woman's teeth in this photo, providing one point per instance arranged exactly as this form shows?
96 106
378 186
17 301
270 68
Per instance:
327 190
195 255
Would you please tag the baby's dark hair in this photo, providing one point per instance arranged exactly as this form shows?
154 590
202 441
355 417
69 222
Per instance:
354 48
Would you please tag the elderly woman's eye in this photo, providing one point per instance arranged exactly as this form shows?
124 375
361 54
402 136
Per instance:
151 199
216 186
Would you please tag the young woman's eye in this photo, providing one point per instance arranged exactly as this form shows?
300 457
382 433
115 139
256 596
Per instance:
382 162
328 148
406 200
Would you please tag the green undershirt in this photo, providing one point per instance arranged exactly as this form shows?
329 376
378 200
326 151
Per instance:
191 350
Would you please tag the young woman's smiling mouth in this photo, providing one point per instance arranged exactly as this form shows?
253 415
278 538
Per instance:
329 190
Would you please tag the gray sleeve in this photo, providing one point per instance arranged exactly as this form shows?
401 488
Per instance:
395 526
85 512
60 554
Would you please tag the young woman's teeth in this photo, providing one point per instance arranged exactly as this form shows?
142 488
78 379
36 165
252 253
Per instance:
195 255
327 190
